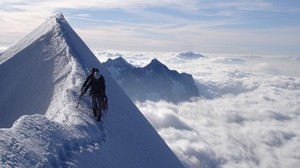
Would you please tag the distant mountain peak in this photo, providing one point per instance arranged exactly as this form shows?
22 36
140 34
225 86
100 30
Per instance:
155 61
190 55
118 62
156 64
121 60
153 82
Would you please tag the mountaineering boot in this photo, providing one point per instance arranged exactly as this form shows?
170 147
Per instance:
95 112
98 116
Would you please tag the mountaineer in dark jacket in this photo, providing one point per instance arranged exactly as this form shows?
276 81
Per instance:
89 77
97 92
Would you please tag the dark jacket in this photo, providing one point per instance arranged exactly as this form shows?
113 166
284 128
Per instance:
91 75
97 86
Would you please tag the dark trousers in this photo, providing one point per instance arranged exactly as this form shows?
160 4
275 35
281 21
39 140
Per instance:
97 105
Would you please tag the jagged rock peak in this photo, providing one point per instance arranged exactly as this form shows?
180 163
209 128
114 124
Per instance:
156 64
155 61
121 59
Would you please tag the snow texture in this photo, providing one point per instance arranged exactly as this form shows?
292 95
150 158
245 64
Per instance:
41 76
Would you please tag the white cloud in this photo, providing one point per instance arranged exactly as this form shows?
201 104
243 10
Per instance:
201 36
250 120
251 129
160 31
165 117
77 4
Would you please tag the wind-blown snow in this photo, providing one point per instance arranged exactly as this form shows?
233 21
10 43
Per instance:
41 76
248 114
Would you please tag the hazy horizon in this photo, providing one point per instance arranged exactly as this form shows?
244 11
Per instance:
259 27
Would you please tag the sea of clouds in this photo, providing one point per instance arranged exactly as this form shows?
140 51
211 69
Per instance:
248 114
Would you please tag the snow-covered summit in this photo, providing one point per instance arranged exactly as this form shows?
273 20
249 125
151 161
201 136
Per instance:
41 76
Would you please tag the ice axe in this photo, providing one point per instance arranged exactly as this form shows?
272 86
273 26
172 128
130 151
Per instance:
78 101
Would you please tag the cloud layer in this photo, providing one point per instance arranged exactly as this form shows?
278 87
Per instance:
248 115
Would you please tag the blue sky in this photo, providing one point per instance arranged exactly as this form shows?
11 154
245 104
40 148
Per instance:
257 27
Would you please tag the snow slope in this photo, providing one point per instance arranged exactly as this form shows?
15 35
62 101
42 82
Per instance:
40 126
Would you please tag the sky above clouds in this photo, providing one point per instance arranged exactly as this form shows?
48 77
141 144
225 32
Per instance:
258 27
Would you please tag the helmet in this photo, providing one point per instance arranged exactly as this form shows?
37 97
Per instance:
97 75
95 70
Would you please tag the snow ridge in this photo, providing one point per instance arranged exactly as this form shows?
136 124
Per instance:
63 131
47 130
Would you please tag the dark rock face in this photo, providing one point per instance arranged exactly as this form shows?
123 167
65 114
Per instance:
153 82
